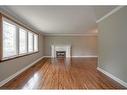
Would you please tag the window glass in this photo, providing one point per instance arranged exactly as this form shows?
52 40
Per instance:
22 41
17 41
30 42
9 39
35 42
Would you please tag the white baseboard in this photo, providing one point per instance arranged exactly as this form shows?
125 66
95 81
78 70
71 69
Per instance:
85 56
113 77
48 56
74 56
19 72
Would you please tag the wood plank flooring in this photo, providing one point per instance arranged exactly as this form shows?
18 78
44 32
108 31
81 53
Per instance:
69 73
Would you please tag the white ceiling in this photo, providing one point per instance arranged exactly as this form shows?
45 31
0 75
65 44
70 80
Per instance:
58 19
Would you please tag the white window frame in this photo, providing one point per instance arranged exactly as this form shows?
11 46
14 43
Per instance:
17 41
10 22
32 42
37 42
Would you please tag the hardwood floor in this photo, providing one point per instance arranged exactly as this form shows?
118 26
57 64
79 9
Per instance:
70 73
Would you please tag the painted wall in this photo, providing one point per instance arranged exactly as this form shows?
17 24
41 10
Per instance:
81 45
7 68
113 44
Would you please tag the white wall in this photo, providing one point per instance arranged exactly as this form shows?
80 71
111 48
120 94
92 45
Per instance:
113 44
81 45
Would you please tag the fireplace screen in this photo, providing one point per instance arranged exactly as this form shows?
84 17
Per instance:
60 54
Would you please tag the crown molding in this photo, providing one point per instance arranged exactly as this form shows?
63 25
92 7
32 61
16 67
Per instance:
70 34
109 13
13 17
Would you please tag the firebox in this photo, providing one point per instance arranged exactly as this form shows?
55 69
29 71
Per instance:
60 54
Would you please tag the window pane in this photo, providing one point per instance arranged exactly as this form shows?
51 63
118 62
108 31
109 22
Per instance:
22 41
35 42
30 42
9 39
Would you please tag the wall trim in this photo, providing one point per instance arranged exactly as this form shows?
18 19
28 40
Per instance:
85 56
19 72
48 35
113 77
47 56
16 20
74 56
110 13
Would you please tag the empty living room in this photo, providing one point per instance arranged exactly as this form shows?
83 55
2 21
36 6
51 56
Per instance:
63 47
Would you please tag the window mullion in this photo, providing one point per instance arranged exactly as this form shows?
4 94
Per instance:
1 37
27 42
37 42
33 43
17 40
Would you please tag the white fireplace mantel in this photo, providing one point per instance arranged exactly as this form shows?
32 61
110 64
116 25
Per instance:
66 48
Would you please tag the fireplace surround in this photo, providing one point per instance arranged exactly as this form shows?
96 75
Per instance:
61 50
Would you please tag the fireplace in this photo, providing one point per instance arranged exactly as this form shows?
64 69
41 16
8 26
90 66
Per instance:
60 54
61 51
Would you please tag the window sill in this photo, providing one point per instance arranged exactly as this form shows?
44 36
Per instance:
14 57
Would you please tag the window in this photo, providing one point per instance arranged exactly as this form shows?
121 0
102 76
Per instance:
17 41
22 41
30 42
9 40
35 42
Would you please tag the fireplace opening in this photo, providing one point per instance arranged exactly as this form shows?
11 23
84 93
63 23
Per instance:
60 54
